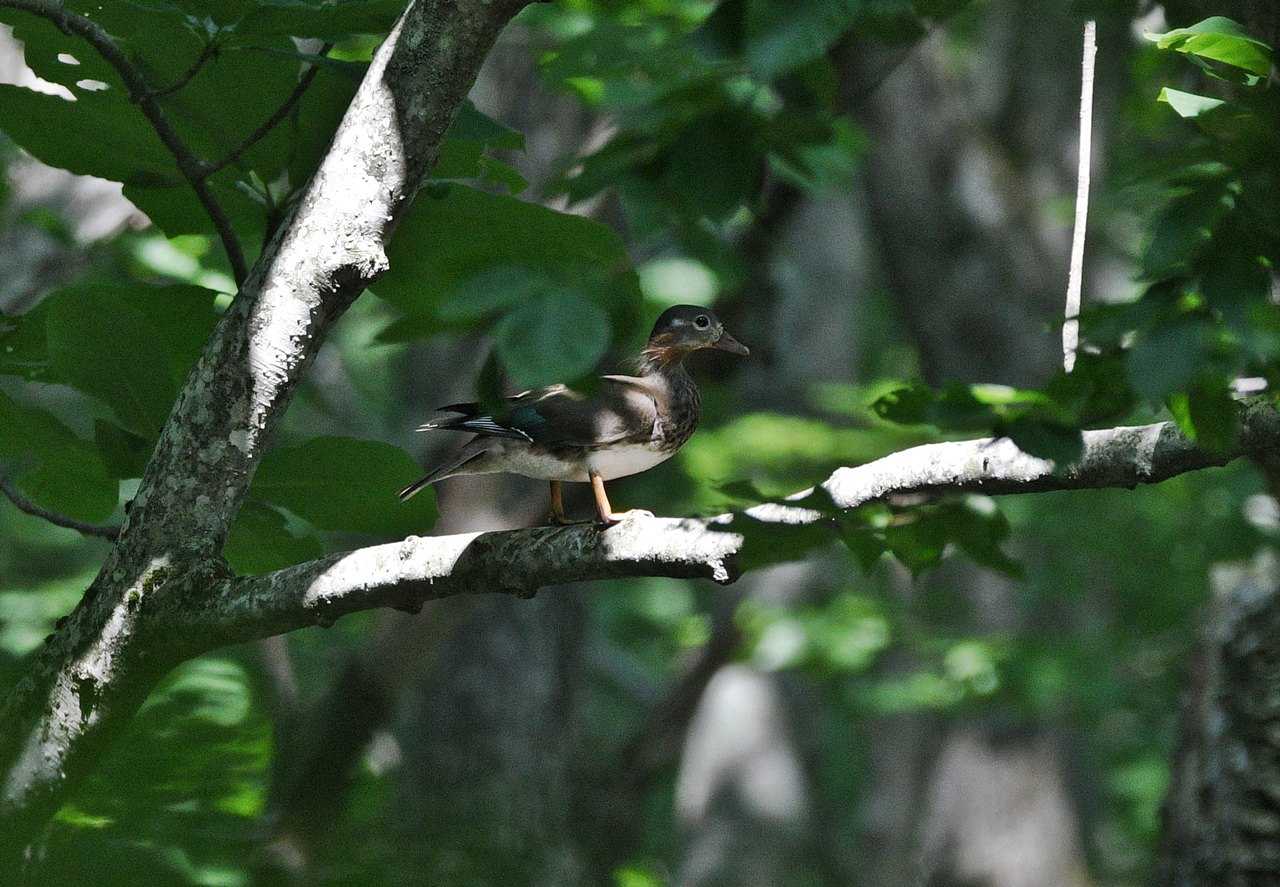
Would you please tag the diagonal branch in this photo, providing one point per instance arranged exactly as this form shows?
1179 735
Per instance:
95 670
23 504
304 83
139 92
519 562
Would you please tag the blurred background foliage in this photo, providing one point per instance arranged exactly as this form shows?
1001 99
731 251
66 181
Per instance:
876 196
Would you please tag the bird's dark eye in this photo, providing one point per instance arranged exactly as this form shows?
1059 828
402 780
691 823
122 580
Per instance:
702 321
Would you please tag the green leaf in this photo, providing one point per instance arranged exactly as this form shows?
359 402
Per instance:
178 319
781 37
769 543
979 528
124 453
966 407
24 350
1233 284
823 163
127 368
462 154
553 337
711 168
867 545
1062 444
917 540
1188 104
453 233
339 483
1169 358
53 467
261 541
492 290
1185 227
1219 39
238 86
473 125
917 404
304 18
44 47
1208 414
96 135
919 537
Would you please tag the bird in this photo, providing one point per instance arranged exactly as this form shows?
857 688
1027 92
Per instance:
625 425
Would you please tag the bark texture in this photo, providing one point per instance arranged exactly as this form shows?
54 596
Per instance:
129 627
518 562
1222 814
164 594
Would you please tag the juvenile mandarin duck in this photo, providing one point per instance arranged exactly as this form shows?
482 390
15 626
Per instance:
627 425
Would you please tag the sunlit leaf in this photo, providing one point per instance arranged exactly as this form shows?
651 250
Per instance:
1219 39
1188 104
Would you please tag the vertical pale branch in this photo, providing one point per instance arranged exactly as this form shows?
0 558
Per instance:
1071 328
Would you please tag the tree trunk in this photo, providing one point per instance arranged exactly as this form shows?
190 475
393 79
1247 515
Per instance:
1222 814
133 624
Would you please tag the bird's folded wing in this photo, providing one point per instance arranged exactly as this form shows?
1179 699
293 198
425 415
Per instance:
621 409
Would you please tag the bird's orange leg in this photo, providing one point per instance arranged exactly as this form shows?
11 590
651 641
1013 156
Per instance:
604 510
557 504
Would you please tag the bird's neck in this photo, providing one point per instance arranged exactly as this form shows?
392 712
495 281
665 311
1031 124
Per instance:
659 361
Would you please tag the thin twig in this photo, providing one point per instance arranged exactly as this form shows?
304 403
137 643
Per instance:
205 55
1071 328
22 503
270 123
190 165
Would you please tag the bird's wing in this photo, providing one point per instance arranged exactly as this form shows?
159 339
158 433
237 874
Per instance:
622 408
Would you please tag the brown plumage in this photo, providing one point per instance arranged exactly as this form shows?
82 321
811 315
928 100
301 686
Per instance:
627 425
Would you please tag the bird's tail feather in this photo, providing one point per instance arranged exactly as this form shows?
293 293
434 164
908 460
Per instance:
444 471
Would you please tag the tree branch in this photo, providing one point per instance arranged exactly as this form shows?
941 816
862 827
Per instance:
304 83
89 678
1075 275
141 93
206 53
519 562
22 503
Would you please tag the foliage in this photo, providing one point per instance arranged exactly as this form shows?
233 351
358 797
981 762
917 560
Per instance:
713 110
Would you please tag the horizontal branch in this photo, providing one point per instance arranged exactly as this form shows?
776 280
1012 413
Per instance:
405 574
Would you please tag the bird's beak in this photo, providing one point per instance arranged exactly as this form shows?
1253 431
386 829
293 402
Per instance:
728 343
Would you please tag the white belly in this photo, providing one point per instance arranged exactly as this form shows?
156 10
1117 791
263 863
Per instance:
615 462
626 460
518 459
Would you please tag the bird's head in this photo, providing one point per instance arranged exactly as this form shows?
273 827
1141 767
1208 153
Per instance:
685 328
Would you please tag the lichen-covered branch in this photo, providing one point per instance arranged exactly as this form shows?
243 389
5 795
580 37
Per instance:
129 628
405 574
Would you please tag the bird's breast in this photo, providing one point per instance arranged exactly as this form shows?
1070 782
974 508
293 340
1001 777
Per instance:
627 459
